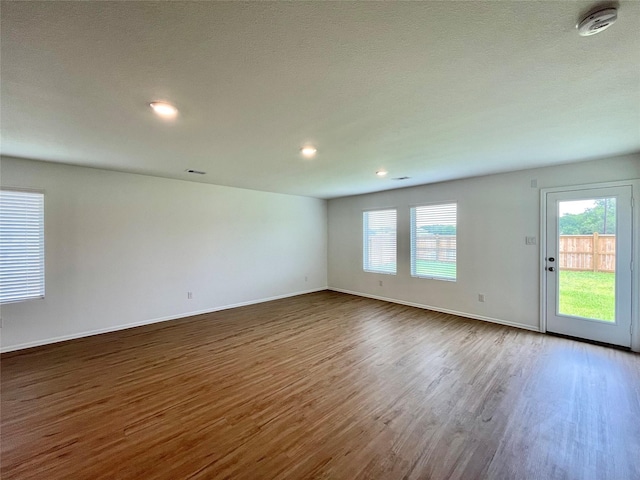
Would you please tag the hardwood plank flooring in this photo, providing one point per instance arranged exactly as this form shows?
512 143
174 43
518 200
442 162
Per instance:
326 386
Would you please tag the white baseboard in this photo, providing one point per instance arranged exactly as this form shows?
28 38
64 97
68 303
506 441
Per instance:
46 341
439 309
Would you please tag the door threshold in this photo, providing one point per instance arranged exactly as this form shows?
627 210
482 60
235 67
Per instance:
592 342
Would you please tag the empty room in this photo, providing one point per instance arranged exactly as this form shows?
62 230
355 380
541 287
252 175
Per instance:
320 240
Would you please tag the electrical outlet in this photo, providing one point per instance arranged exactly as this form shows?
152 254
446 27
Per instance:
530 240
380 282
481 297
189 295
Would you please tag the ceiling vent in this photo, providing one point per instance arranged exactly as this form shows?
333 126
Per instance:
597 21
196 172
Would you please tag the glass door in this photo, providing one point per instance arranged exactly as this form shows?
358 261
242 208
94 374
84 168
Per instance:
588 264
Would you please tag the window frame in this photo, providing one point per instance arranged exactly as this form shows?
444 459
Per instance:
41 246
413 236
364 244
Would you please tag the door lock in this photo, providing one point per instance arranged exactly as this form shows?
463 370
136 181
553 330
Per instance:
551 269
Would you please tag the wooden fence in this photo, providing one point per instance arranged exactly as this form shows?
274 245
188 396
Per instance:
596 253
436 248
433 248
381 251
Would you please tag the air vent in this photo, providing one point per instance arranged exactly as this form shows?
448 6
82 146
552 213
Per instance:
401 178
196 172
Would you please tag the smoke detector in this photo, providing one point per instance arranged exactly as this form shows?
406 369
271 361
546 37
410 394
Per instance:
597 21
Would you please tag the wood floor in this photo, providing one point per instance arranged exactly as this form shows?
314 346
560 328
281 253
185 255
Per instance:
326 386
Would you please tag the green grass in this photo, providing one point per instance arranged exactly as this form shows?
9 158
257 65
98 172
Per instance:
436 269
587 294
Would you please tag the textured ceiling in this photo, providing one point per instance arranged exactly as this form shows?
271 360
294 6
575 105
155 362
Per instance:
432 90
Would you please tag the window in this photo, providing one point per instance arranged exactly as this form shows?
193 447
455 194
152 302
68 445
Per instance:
433 241
379 241
21 245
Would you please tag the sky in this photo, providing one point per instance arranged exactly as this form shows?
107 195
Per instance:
575 206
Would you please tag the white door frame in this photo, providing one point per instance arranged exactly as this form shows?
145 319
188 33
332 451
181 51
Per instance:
635 253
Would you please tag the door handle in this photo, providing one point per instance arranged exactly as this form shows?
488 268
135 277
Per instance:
551 259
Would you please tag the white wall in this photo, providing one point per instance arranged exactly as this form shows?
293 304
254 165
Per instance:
495 214
124 249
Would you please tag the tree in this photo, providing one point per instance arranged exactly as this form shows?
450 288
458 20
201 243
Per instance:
439 229
601 218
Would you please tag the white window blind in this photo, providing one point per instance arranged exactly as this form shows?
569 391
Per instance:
21 245
379 241
433 241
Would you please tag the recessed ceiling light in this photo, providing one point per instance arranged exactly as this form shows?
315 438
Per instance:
381 173
308 151
164 109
